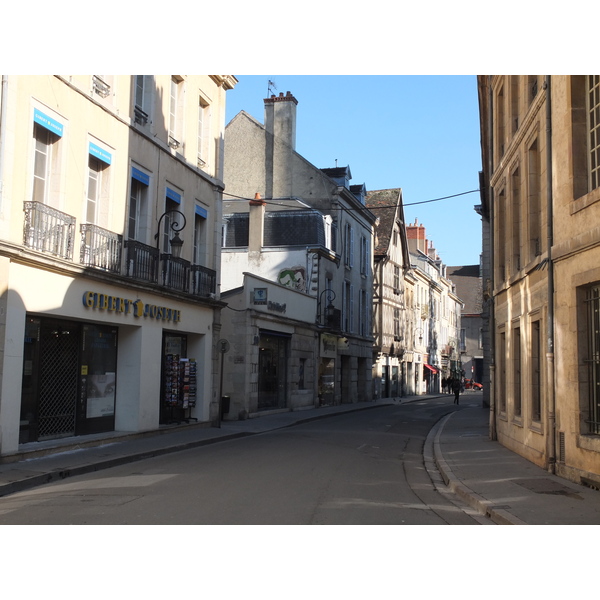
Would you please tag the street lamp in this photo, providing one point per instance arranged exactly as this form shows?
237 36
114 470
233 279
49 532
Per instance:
175 242
329 311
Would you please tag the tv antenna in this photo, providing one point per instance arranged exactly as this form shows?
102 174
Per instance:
271 87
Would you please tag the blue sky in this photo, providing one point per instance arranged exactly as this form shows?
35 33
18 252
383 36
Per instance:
416 132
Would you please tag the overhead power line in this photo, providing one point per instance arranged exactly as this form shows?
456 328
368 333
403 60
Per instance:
369 207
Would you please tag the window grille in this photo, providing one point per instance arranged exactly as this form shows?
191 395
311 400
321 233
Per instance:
593 122
593 359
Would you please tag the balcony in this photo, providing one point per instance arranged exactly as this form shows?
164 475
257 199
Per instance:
101 249
204 281
48 230
175 273
141 261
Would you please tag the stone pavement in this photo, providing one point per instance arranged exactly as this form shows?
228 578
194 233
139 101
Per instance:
489 478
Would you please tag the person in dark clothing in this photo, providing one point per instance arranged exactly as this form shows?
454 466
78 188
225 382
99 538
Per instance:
456 389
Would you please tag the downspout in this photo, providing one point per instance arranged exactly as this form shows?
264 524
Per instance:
491 315
3 113
551 439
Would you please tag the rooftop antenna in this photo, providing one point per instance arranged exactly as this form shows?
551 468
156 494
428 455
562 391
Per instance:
271 86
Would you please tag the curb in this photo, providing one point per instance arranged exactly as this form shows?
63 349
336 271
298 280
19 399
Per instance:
500 516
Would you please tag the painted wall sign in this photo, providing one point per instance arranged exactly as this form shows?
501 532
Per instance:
294 277
125 306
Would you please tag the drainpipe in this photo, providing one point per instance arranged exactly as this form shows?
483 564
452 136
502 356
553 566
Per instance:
3 113
491 314
551 439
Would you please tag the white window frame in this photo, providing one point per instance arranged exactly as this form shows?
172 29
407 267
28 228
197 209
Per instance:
42 173
204 118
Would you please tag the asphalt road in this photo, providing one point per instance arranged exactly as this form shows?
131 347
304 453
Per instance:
361 468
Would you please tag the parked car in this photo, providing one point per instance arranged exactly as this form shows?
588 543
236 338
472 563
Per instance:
471 384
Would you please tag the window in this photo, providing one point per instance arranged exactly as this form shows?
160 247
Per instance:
142 98
137 225
396 279
517 371
516 220
502 373
93 193
175 111
364 255
101 85
199 252
463 340
363 314
500 123
500 213
349 246
203 132
532 87
397 324
591 413
97 201
301 372
534 200
536 365
593 128
42 170
348 307
514 103
172 222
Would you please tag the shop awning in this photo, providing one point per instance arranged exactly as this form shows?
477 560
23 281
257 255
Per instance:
432 369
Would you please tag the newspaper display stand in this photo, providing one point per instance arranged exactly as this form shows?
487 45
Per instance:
179 395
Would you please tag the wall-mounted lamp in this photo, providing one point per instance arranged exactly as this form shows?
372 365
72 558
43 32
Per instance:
175 242
329 312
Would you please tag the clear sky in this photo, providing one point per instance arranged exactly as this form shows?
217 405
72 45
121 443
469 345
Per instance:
416 132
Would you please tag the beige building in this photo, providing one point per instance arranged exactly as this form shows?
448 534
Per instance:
541 150
103 312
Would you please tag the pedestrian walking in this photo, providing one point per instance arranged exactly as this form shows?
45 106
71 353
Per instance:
456 389
444 384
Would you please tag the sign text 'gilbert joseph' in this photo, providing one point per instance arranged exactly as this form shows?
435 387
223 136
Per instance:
135 307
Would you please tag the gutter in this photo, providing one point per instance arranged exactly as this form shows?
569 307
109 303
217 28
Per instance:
551 440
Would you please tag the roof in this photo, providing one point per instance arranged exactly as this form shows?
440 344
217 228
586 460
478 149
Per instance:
386 204
469 287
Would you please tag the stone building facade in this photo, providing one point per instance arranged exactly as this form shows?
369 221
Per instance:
542 189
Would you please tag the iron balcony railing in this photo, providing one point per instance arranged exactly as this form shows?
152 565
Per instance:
48 230
175 273
101 248
141 261
204 281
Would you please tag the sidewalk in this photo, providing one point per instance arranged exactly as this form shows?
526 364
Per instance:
484 474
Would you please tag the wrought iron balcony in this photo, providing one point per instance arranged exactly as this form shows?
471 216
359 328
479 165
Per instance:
140 116
204 281
100 86
48 230
175 273
141 261
101 248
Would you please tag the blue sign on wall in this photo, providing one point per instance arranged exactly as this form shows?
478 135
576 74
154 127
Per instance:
173 195
47 122
100 154
140 176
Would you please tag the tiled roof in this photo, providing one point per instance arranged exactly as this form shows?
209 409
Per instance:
383 204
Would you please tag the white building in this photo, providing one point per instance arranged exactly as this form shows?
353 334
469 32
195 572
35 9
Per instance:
101 176
337 270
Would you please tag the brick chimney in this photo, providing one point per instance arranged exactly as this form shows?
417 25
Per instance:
280 117
256 225
416 237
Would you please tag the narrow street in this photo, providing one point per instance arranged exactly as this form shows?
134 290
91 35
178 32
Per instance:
366 467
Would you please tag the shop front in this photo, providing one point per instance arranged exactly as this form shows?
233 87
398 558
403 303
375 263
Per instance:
85 359
69 379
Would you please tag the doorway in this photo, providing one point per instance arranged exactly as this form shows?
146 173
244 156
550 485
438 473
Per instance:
272 370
